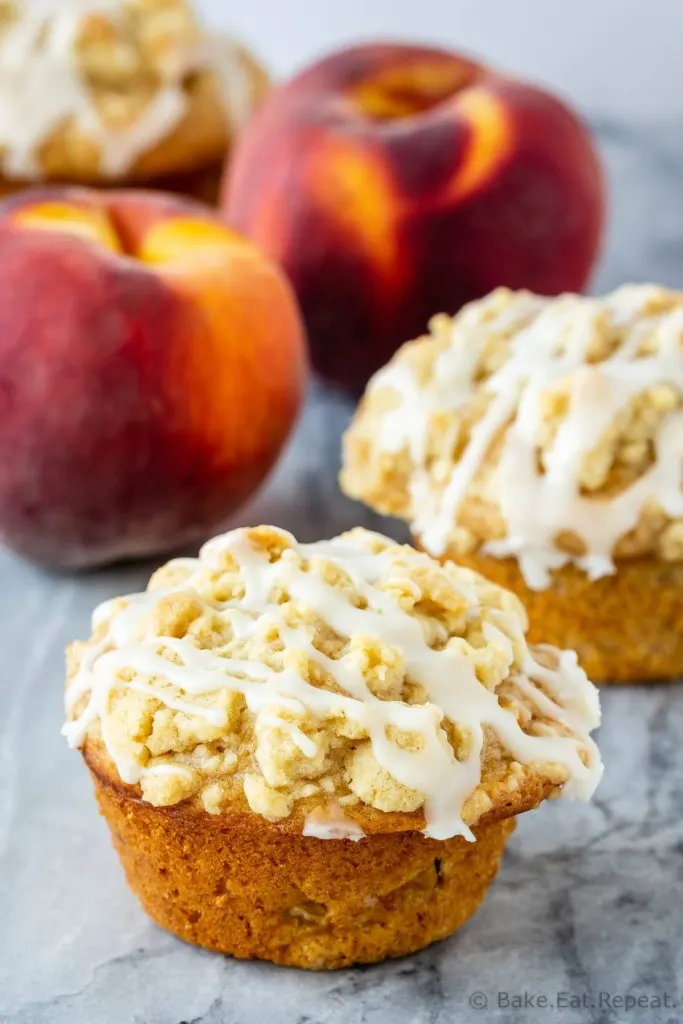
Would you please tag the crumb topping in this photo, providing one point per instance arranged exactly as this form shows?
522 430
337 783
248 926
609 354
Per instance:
351 670
550 430
117 71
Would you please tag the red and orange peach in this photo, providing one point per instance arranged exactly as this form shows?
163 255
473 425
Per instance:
392 182
151 366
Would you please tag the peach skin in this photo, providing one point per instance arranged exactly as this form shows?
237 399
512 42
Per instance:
152 364
392 182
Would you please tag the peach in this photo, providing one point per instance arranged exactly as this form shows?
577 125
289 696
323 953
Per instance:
152 363
392 182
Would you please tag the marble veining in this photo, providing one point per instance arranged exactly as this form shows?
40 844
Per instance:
589 903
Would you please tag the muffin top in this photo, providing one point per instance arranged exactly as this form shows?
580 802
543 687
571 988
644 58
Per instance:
338 682
102 81
547 430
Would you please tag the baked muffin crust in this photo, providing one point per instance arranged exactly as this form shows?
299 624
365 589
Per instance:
337 687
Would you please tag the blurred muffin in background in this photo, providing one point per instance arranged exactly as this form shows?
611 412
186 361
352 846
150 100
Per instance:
104 92
539 441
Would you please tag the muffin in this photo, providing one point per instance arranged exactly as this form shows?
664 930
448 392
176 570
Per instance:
314 753
540 441
104 92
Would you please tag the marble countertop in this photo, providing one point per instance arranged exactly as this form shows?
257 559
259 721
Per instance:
587 910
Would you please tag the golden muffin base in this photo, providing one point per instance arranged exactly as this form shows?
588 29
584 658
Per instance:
237 884
624 628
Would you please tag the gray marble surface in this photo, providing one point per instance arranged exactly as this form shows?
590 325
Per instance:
588 908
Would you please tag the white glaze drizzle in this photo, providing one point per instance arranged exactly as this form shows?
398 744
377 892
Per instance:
538 506
167 769
222 55
330 822
447 675
41 88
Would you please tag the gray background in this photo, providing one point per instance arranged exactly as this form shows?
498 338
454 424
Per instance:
610 56
590 898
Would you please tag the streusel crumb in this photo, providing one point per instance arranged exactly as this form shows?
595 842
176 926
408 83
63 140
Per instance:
351 669
126 53
517 413
132 89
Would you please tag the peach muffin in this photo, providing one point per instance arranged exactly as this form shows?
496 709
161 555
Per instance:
102 91
314 753
540 441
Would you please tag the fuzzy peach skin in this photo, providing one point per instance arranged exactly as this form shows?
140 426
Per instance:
391 181
152 364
